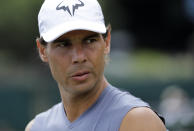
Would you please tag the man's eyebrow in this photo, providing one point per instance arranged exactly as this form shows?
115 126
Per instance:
85 38
61 40
92 36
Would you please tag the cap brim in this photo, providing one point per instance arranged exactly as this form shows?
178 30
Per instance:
55 33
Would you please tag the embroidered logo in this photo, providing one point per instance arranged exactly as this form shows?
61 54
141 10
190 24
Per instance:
70 6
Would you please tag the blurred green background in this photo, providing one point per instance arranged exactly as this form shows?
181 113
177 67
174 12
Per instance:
152 56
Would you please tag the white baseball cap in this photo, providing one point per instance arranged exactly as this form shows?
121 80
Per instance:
57 17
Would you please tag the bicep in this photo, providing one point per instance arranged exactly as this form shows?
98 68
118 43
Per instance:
28 127
142 119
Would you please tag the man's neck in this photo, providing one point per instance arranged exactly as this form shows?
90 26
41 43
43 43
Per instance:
75 106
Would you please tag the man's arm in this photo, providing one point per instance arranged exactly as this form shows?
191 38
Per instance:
142 119
28 127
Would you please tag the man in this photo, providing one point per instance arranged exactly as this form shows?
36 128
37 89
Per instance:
75 42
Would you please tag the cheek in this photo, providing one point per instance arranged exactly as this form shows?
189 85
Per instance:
98 59
58 65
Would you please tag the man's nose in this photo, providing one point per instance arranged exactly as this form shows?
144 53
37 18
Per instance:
79 55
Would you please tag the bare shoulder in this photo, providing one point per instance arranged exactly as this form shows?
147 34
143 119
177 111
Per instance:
142 119
28 127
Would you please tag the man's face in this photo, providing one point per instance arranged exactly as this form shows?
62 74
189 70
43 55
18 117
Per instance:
77 59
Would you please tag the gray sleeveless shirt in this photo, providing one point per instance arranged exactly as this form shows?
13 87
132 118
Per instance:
106 114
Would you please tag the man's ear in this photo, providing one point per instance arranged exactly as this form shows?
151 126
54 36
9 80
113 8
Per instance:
42 51
108 40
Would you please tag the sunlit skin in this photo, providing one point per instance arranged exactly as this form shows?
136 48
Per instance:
77 61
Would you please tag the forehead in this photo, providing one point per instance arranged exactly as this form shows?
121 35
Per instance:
77 34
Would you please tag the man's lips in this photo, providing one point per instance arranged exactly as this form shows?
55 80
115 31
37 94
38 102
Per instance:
80 75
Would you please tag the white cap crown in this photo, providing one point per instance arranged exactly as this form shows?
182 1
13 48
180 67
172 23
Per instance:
57 17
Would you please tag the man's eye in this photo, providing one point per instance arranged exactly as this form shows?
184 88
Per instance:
92 40
63 44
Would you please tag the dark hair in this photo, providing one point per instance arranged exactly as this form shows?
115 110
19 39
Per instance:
42 41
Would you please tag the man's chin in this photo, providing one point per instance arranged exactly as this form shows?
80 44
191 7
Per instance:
82 87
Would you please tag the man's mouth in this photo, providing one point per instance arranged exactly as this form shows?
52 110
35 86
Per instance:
81 75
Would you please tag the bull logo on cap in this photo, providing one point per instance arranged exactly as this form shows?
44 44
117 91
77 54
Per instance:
70 6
